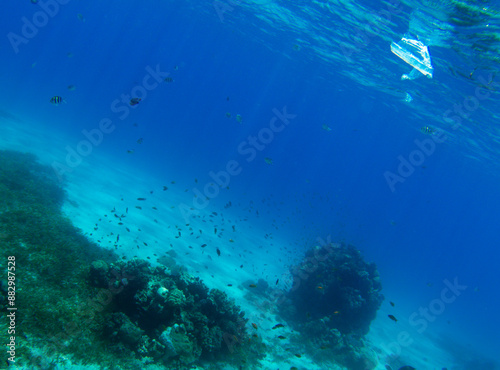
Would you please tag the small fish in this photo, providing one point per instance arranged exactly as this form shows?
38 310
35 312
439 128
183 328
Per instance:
168 79
203 245
326 128
215 230
229 284
138 207
392 304
319 287
80 17
164 188
336 312
252 286
130 151
218 252
255 325
277 281
141 198
239 119
298 355
228 115
231 241
281 337
268 160
277 326
135 101
294 368
56 100
428 130
71 87
392 318
140 140
407 368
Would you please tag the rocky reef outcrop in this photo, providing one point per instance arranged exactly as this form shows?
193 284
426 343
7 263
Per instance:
169 318
334 297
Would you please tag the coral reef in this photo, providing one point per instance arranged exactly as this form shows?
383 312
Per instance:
79 302
170 318
334 297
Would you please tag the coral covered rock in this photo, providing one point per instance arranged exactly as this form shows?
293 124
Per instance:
175 318
334 297
334 284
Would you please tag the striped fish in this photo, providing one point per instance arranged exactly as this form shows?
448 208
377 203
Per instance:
428 130
56 100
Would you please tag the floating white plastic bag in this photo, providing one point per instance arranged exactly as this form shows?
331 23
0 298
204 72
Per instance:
416 54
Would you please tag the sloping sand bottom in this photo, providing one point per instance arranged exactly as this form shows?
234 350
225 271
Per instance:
127 210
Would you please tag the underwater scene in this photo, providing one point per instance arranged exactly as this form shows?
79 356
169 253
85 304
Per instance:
250 184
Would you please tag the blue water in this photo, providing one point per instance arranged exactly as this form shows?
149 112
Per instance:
440 222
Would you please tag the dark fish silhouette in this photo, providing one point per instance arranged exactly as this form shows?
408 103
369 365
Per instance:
395 320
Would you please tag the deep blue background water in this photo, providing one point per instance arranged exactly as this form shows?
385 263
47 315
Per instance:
440 223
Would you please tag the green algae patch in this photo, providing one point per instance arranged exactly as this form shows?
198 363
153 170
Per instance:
58 312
